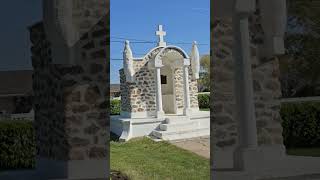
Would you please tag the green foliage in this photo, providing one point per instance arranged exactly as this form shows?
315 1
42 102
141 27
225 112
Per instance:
204 80
204 101
301 124
17 144
115 105
301 71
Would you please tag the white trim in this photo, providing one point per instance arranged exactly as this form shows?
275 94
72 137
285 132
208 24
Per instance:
147 54
193 110
300 99
173 47
152 114
144 114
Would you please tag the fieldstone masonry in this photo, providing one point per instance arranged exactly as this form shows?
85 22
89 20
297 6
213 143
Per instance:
70 99
246 127
140 95
266 89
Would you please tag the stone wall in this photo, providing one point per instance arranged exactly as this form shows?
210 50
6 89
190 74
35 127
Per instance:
193 89
70 101
140 95
266 86
87 13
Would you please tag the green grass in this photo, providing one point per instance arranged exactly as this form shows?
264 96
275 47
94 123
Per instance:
205 109
314 152
144 159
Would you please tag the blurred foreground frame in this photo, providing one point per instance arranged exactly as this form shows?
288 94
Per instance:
70 47
246 132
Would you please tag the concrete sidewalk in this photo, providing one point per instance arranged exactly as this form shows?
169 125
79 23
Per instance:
200 145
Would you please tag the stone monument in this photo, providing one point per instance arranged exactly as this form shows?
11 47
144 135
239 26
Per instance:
159 94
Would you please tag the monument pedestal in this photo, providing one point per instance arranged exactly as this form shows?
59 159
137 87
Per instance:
247 159
266 162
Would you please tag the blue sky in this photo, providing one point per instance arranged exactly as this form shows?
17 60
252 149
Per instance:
184 21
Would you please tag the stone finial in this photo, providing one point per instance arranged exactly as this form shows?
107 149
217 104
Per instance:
244 6
161 35
273 21
128 62
195 60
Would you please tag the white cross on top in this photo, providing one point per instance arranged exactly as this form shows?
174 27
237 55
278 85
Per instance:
161 34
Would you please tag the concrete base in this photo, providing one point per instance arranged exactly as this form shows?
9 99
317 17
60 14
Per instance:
128 128
247 159
54 169
160 114
171 126
176 127
265 162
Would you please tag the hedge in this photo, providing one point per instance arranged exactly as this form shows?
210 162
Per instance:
301 124
204 101
17 144
115 107
300 121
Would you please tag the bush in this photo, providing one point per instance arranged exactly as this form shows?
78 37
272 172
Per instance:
204 101
17 144
115 107
301 124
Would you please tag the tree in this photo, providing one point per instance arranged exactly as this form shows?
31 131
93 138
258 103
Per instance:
300 74
204 79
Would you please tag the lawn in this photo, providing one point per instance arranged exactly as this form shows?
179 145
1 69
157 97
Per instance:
144 159
314 152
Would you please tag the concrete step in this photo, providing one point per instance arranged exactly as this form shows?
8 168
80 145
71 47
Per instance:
156 139
185 134
179 126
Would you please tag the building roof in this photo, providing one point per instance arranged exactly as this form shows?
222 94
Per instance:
114 88
15 82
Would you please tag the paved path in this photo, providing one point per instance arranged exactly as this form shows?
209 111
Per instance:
200 146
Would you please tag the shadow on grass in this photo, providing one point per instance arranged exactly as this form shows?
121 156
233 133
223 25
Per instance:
117 175
114 137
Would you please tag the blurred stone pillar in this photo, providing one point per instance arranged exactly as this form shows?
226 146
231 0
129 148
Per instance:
70 84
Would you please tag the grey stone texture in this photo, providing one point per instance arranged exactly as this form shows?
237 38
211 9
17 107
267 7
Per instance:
69 99
140 95
266 86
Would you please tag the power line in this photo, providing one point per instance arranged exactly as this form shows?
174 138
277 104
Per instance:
141 41
117 59
136 42
117 37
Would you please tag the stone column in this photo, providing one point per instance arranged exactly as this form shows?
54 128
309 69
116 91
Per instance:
186 109
246 155
160 112
70 103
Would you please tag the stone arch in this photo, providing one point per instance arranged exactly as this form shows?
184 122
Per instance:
158 58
